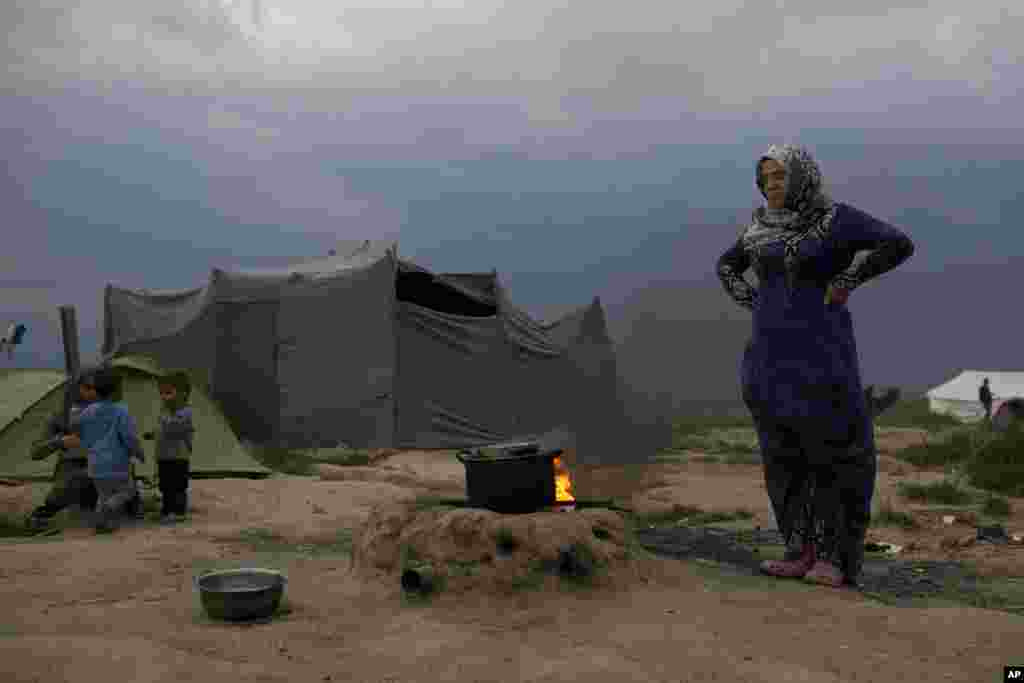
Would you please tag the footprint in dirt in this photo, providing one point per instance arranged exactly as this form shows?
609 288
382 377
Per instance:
897 581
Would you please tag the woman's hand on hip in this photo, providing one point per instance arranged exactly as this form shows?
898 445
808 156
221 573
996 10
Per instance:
837 295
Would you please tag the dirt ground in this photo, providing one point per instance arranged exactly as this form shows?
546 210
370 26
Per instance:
123 607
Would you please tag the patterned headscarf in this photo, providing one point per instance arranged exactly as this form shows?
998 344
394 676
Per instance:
807 206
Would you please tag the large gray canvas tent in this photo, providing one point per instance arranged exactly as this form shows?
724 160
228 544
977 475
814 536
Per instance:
368 350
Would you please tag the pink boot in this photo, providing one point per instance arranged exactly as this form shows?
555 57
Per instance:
791 569
825 574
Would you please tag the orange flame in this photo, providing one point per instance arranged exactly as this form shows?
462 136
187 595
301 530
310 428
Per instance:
563 485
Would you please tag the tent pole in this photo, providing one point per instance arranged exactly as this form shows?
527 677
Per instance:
72 364
396 331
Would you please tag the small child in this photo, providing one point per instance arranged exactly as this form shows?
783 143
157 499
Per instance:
174 446
71 481
108 432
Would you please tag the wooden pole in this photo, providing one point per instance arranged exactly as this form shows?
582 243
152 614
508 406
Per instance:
72 365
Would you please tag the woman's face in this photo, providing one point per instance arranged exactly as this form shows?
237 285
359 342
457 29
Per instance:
773 180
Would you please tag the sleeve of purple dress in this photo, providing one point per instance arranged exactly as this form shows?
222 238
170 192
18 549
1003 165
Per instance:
731 266
888 245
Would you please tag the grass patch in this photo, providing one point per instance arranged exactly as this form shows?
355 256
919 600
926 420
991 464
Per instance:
409 558
999 466
14 527
986 459
671 457
689 515
698 433
888 516
943 492
579 566
705 518
722 444
532 579
343 457
915 413
283 460
267 541
505 542
996 506
939 452
301 462
683 427
633 548
667 517
463 567
261 539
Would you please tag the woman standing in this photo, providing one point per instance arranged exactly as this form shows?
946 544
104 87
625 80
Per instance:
800 373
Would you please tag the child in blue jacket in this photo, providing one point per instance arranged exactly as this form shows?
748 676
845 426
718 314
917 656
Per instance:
107 431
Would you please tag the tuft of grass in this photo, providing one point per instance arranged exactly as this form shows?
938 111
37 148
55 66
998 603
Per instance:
889 516
267 541
697 432
690 515
943 492
956 448
463 567
703 425
705 518
408 557
261 539
530 580
582 569
999 465
671 457
667 517
344 457
283 460
996 506
13 527
505 542
915 413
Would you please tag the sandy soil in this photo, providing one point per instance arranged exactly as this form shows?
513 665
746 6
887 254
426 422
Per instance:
81 607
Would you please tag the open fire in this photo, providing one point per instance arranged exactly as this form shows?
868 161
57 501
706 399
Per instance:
563 486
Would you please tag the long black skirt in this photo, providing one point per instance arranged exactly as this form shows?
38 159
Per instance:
818 492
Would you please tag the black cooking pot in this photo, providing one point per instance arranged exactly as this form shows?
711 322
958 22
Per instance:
511 479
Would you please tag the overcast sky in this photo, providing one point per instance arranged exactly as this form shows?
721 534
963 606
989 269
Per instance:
597 143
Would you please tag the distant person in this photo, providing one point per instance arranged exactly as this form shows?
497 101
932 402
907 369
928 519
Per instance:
71 482
800 372
985 396
174 446
107 431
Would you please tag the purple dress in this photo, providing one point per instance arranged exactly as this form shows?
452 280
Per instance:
800 366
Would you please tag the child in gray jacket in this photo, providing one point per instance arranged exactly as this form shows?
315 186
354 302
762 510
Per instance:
174 445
